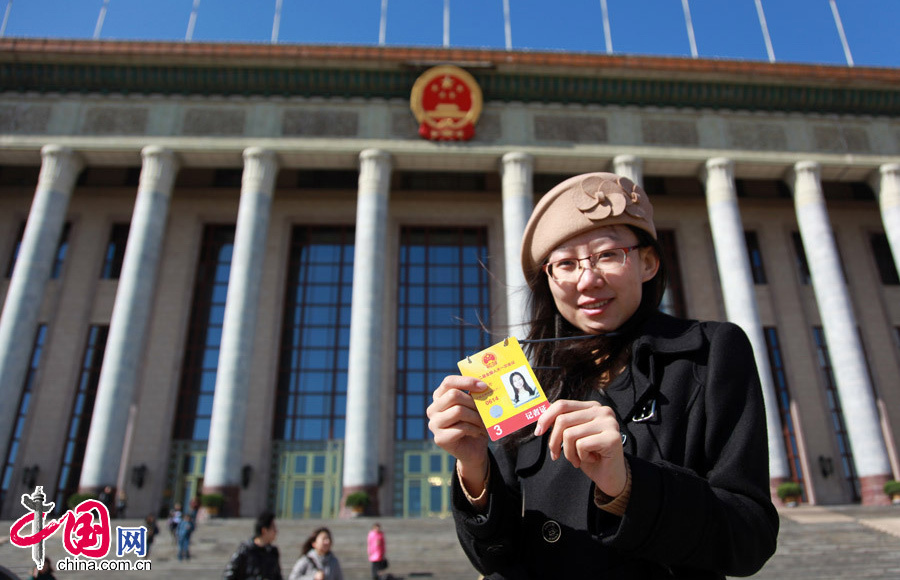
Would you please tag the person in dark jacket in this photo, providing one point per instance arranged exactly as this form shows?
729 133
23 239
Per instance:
652 460
257 558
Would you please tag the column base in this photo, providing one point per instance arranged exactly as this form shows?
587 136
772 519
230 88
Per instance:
372 509
231 504
872 489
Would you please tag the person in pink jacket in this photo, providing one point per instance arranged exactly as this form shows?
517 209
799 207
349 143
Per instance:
375 547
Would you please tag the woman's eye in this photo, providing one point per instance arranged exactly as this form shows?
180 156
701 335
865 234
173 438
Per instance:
565 264
606 256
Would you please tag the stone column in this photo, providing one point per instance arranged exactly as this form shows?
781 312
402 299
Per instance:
59 169
367 323
888 189
631 167
123 359
229 414
739 293
518 195
841 333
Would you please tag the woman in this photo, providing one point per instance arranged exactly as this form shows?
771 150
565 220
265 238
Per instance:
375 548
518 383
317 561
651 461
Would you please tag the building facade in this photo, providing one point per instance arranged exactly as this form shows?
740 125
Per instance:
240 269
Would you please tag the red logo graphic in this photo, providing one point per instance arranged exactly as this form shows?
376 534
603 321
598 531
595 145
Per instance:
489 360
446 101
81 536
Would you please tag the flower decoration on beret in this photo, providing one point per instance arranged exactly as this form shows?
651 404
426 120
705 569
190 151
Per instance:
600 198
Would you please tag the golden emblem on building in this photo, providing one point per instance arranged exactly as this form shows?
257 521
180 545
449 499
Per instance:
446 101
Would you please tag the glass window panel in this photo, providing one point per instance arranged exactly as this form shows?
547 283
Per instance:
316 500
436 496
319 464
300 464
299 499
414 499
414 463
434 462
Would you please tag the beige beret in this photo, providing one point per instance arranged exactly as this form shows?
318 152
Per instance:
580 204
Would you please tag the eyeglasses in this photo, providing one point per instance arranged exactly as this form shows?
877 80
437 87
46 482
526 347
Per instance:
569 270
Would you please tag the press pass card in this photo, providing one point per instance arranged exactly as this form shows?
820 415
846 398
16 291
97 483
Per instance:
513 398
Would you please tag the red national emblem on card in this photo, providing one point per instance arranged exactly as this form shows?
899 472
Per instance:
446 102
489 360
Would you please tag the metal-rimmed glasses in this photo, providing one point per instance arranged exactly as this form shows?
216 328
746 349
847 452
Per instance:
606 261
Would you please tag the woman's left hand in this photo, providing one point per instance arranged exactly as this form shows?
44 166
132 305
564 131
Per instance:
587 434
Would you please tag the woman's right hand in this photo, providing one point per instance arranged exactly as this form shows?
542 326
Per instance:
458 428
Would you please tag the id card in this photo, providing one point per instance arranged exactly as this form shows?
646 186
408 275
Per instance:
513 398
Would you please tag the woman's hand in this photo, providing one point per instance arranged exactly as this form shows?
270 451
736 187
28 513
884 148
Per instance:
587 434
458 428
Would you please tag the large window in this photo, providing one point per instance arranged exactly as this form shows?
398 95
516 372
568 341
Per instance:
673 299
115 252
755 254
783 394
443 314
884 259
800 259
315 338
80 417
61 250
201 357
15 432
837 414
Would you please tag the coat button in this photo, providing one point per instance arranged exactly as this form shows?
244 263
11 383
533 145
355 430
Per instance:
551 531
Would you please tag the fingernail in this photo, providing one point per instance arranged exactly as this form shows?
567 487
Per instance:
538 430
481 385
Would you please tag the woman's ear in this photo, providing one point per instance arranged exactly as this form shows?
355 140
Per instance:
649 263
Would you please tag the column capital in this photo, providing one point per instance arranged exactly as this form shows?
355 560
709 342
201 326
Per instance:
59 167
630 166
886 185
808 167
376 155
260 170
158 168
518 157
720 163
158 151
889 169
717 165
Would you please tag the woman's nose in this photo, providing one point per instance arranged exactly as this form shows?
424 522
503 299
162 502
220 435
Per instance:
589 278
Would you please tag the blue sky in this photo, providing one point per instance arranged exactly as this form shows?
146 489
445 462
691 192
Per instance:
800 30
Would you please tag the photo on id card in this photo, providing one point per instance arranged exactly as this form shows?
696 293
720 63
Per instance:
514 398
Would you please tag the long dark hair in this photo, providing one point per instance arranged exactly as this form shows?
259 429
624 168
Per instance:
571 369
525 385
308 544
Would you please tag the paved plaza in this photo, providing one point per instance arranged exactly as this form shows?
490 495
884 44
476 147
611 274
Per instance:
815 542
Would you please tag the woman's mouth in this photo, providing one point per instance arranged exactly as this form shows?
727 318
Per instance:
595 305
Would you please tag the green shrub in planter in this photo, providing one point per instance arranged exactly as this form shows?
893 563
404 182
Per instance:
789 489
358 500
892 488
212 500
77 498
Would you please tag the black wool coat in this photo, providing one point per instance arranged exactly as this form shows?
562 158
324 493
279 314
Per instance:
691 410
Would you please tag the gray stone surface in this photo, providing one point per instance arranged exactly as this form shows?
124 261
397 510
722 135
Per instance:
815 542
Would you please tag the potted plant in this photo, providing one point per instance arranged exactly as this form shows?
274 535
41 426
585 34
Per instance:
790 492
77 498
358 501
212 503
892 490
